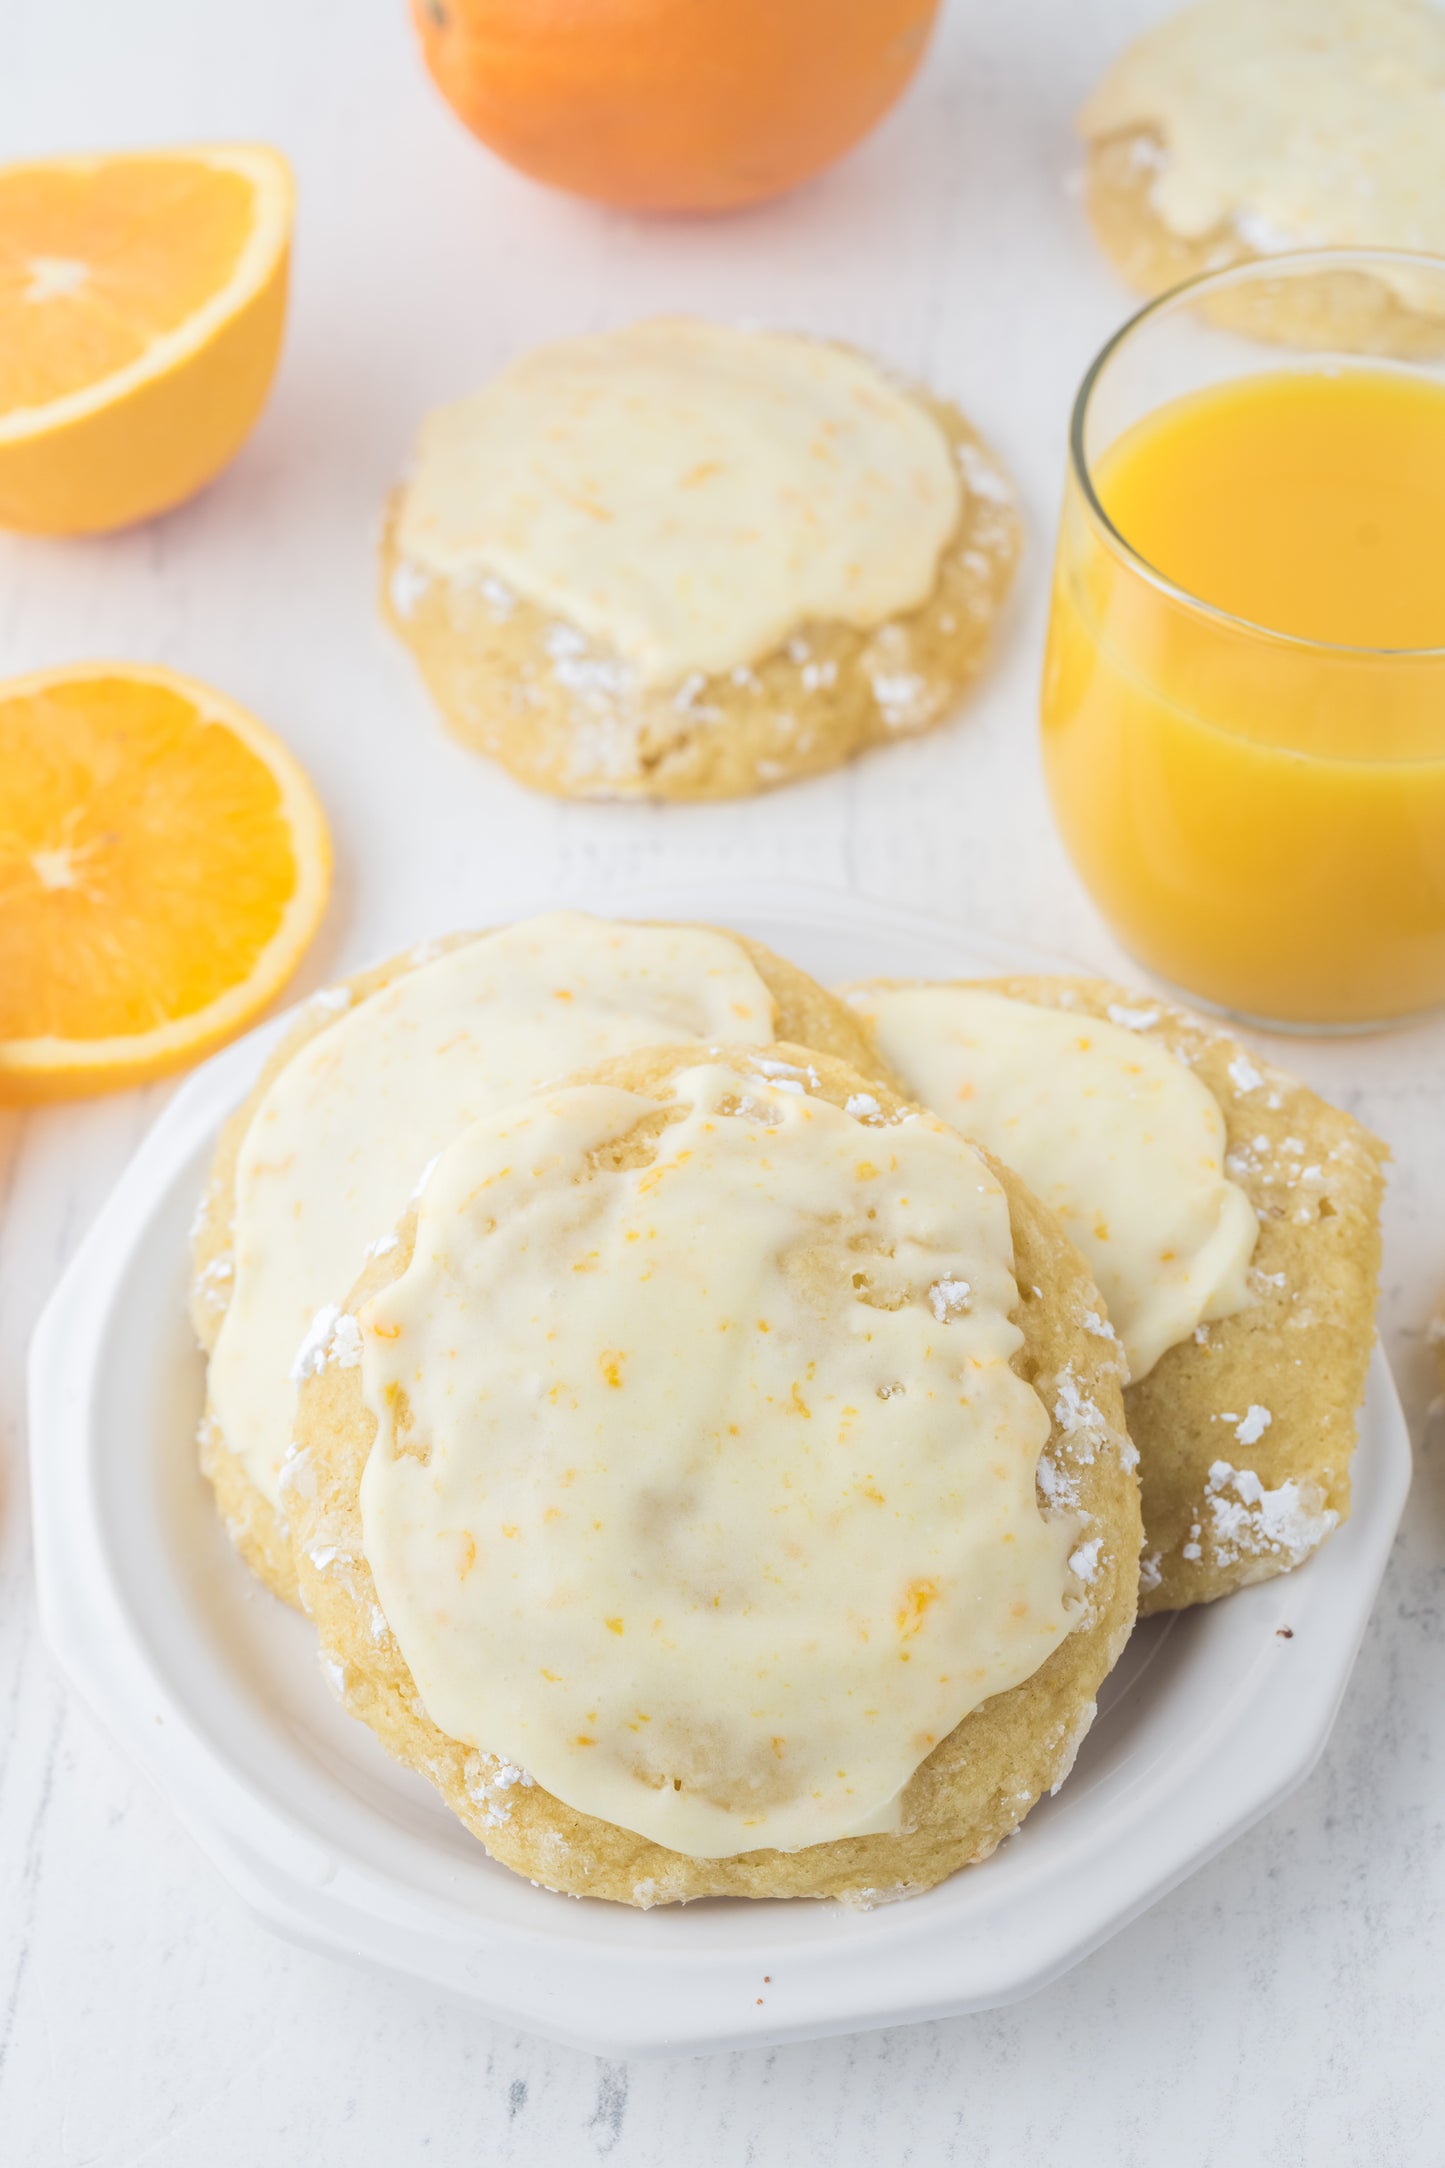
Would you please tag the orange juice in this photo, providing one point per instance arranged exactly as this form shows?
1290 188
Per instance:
1244 706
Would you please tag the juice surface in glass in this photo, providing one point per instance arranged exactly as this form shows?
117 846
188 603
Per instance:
1244 706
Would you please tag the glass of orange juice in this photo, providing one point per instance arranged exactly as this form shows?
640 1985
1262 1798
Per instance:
1244 687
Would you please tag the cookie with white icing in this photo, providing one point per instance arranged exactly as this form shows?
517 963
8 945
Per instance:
1232 1218
711 1512
376 1075
688 561
1240 129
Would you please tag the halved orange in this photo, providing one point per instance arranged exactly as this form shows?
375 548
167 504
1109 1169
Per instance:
142 298
164 862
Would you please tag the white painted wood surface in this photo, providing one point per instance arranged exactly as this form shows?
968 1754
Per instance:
1285 2006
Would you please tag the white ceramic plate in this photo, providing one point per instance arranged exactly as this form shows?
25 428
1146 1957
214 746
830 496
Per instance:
213 1687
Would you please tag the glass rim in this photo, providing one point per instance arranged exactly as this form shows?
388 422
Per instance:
1232 274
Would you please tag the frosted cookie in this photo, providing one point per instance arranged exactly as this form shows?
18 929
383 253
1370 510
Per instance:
687 561
1231 1219
377 1075
1242 128
765 1542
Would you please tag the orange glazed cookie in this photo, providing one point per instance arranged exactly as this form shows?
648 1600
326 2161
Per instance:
377 1075
1232 1219
1236 130
710 1511
686 561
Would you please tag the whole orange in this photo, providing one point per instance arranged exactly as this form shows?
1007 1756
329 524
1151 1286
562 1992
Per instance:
672 105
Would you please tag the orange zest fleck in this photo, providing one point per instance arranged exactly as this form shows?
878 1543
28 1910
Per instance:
917 1599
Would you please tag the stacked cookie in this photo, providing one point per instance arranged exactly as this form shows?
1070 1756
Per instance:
1232 1219
686 1403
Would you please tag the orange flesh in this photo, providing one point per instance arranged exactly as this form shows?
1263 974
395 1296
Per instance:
94 266
144 861
1263 821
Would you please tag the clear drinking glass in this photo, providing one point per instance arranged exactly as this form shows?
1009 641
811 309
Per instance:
1259 815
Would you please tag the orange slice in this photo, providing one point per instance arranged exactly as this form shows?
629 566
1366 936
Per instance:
142 298
164 862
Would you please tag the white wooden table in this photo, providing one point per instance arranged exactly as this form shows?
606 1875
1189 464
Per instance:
1284 2006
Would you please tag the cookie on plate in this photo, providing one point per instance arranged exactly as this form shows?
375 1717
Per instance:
688 561
710 1512
379 1073
1242 128
1231 1218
